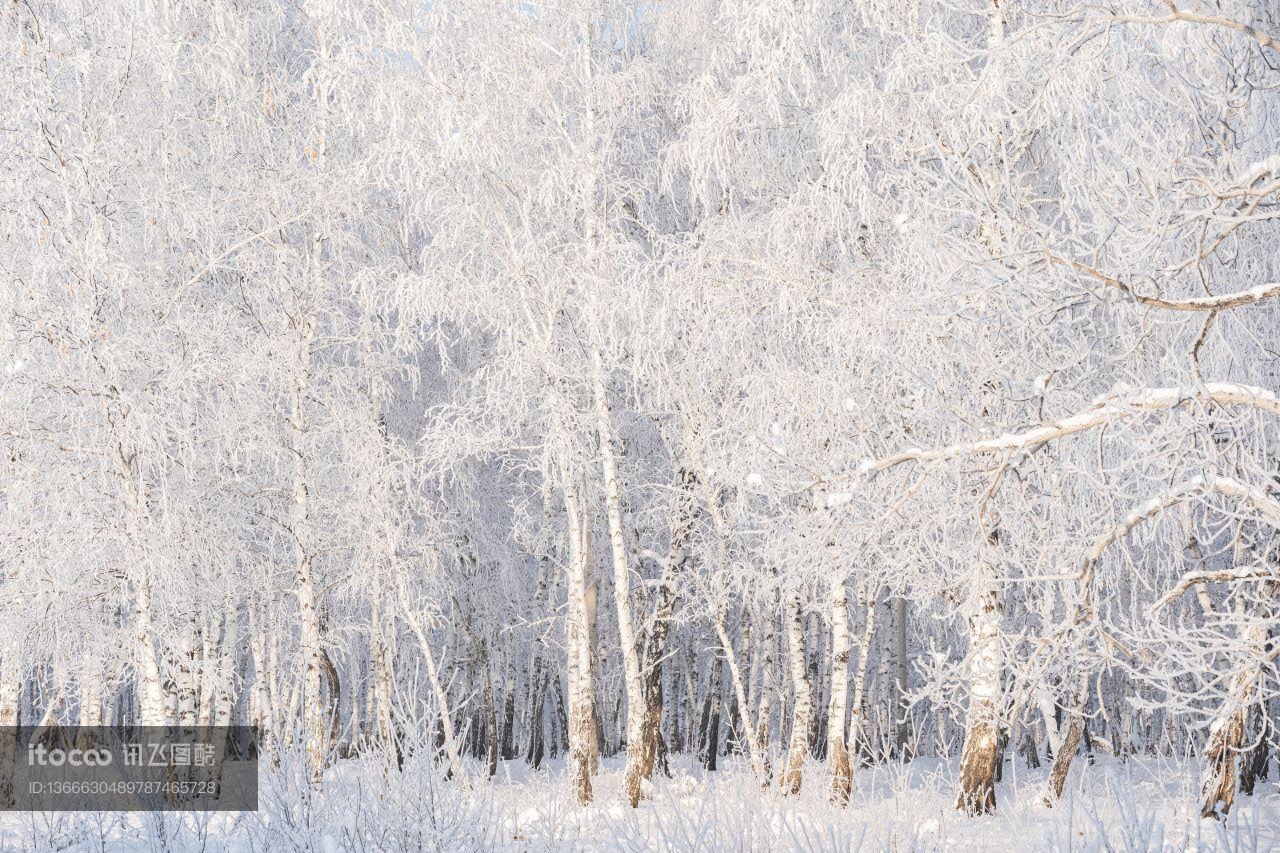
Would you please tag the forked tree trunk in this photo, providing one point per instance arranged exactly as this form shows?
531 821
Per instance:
802 713
643 751
740 695
445 716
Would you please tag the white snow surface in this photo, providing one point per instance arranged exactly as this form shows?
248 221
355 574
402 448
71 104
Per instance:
1145 804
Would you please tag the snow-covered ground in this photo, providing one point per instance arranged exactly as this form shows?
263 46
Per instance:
1144 805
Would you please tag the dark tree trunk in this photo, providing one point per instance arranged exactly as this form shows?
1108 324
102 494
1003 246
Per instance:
1029 751
509 718
538 698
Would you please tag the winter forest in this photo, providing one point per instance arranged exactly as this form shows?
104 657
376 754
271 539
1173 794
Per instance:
631 424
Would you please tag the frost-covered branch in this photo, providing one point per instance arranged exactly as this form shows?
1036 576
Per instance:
1180 15
1251 496
1110 408
1195 303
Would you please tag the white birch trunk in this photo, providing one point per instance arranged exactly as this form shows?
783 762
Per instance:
222 698
151 695
91 694
841 646
635 774
981 742
581 734
900 654
767 690
310 648
153 706
1048 712
382 678
187 679
802 713
262 714
857 722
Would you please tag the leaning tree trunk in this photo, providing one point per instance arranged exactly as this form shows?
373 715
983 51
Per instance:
1226 736
1069 742
1226 733
857 742
749 730
444 714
